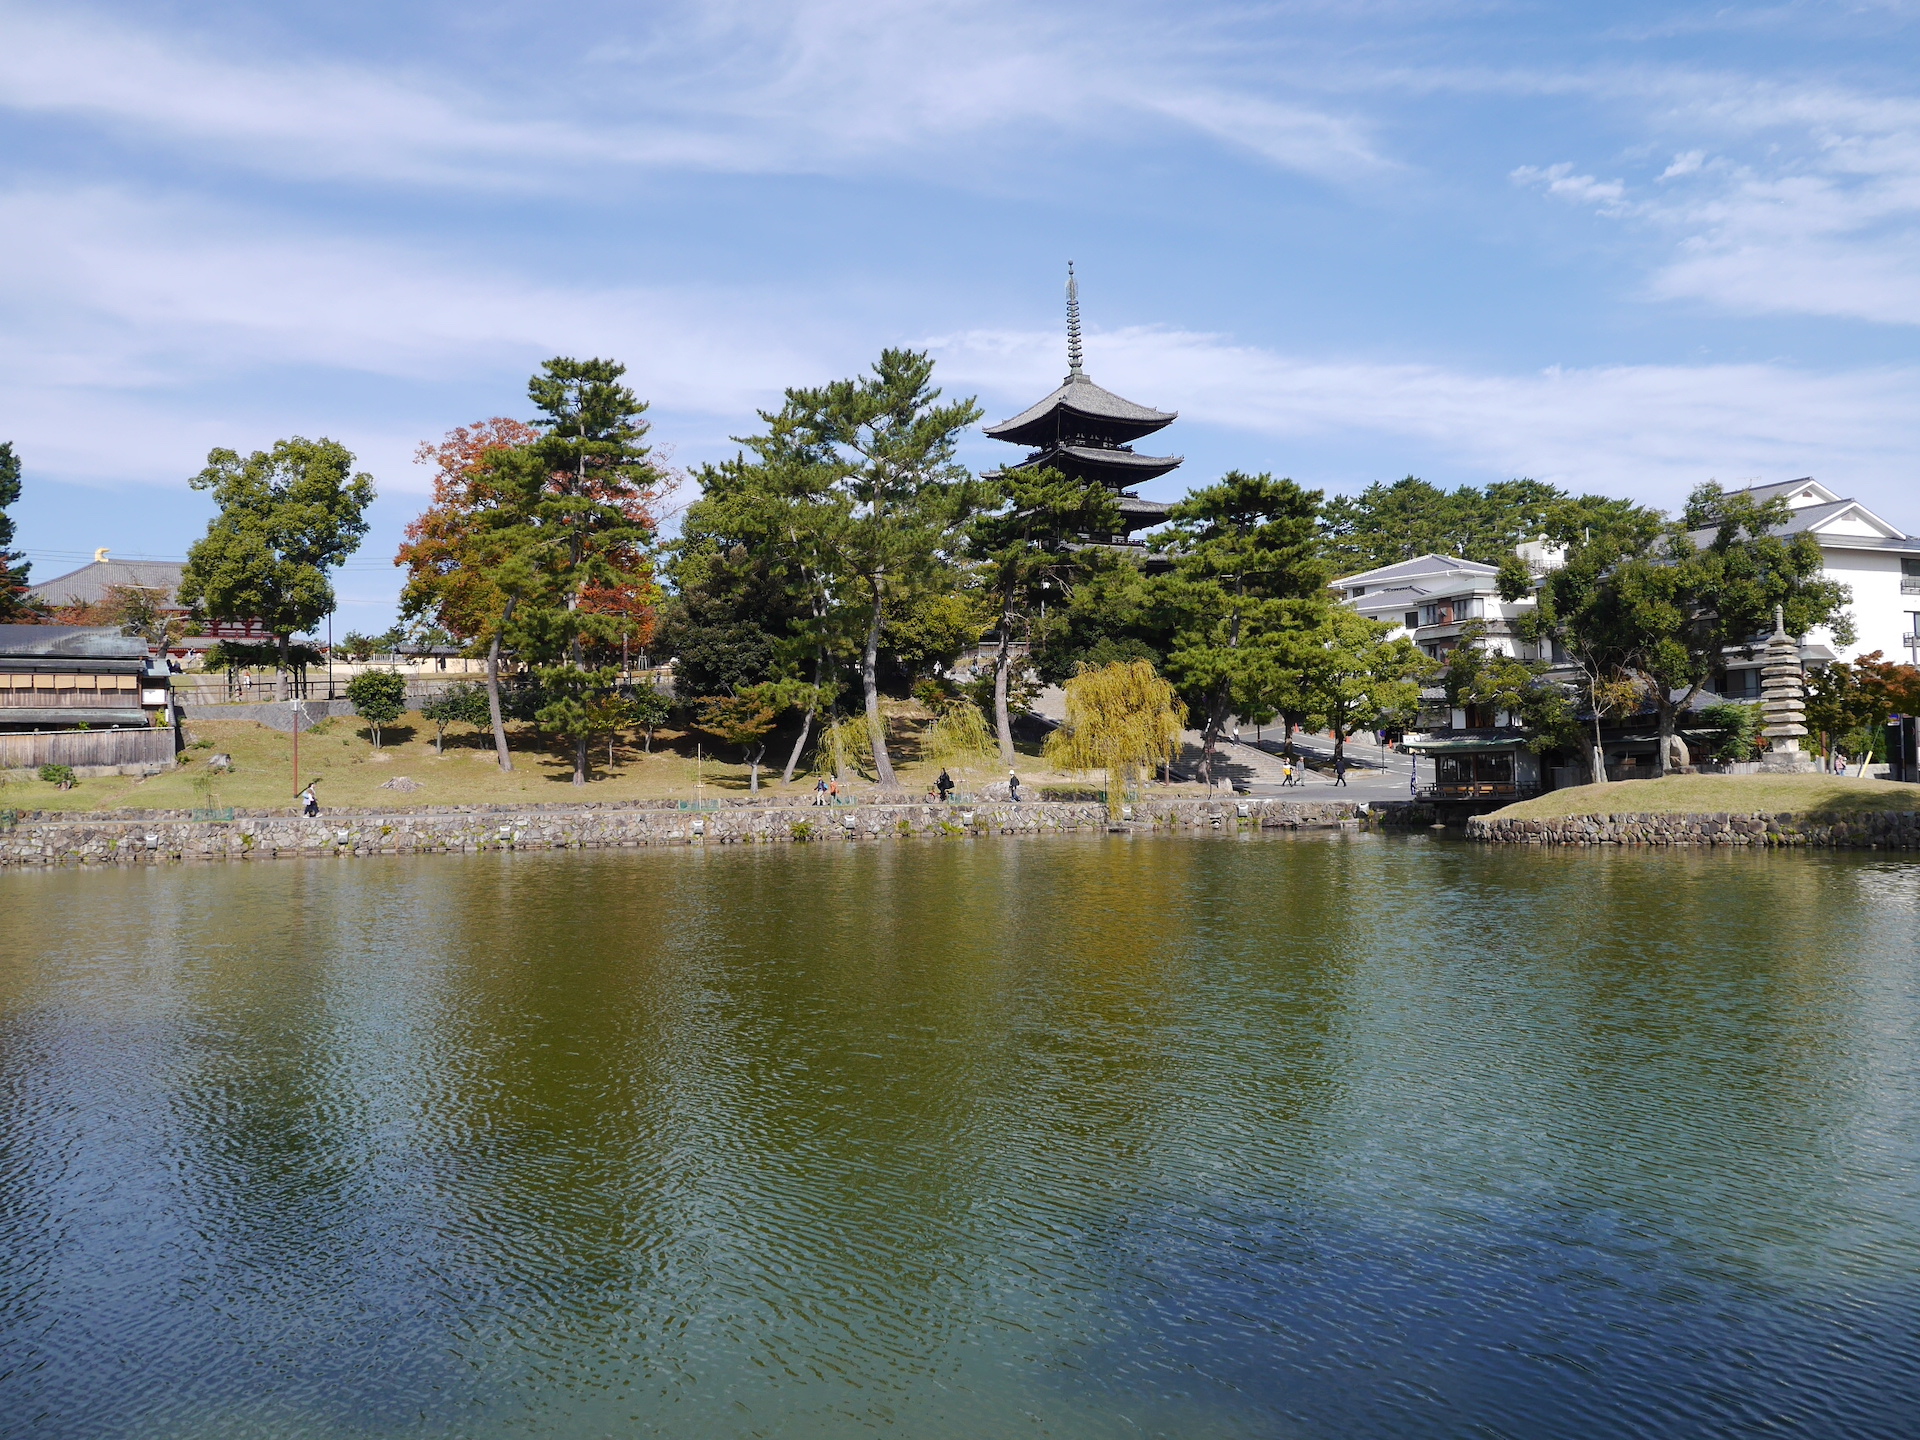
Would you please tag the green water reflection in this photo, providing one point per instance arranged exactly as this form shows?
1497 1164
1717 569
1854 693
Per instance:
1320 1136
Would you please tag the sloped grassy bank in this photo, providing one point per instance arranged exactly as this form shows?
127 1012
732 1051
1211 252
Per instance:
1815 810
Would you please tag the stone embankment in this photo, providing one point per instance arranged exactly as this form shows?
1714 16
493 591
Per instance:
1851 830
130 840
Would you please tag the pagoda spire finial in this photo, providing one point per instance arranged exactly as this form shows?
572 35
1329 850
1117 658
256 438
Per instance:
1073 325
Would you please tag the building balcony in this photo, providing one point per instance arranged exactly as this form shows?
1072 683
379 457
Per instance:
1910 584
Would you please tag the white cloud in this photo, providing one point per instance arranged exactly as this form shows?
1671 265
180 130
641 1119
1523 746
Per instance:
1810 204
820 86
1581 189
125 316
1684 164
1646 431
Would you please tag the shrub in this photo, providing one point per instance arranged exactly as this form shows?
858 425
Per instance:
463 703
378 697
802 829
61 775
1739 727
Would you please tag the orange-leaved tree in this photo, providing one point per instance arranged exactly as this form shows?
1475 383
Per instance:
453 549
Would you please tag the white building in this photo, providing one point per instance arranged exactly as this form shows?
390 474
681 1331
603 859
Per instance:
1431 598
1874 559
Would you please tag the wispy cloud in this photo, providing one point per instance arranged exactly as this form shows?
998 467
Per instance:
1649 431
1581 189
811 87
126 315
1788 199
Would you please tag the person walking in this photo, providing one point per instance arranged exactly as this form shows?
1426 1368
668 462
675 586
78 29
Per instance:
820 791
1286 775
1340 771
1013 786
309 802
833 789
944 785
1840 764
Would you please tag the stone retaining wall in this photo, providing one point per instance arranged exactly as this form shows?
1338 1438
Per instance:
121 840
1855 830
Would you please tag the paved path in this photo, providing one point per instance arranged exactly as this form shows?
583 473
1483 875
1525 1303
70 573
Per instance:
1373 774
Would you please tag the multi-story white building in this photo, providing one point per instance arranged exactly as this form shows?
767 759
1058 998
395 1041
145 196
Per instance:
1432 598
1870 556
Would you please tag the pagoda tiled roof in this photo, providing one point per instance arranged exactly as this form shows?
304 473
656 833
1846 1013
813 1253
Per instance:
1134 505
1079 396
1134 467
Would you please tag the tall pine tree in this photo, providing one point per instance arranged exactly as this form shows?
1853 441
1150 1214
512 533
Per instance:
13 566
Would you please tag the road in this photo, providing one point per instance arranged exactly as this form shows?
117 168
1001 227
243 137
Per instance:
1373 774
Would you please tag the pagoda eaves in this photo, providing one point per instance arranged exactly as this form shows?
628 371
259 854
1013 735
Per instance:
1083 430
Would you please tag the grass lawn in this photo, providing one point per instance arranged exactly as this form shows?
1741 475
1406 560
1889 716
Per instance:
339 756
1712 794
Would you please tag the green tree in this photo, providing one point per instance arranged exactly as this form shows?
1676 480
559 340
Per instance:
878 454
1848 705
1739 729
138 611
567 532
378 697
1024 545
1388 523
1525 689
1580 614
743 720
287 515
1681 607
582 705
459 704
650 710
1122 718
1246 569
13 566
1347 675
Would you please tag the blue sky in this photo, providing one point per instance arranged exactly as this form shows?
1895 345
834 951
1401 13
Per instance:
1626 248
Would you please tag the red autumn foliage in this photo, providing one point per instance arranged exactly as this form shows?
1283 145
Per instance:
446 547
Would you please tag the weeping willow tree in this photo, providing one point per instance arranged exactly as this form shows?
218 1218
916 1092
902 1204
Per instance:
959 737
844 742
1121 718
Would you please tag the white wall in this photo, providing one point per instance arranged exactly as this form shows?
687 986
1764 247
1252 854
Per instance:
1878 608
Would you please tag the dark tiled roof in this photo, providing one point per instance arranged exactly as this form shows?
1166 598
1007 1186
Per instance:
88 585
1080 396
70 642
1135 467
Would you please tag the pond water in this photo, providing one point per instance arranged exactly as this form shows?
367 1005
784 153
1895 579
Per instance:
1319 1136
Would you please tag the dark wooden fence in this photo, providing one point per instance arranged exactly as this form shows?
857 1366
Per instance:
86 747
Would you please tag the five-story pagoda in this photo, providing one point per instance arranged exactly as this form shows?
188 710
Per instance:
1085 433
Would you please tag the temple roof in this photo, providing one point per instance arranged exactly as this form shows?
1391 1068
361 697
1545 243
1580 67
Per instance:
1141 511
1080 397
77 642
1129 468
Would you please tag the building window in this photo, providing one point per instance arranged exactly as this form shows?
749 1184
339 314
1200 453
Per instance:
1412 619
1740 684
1451 612
1358 591
1910 577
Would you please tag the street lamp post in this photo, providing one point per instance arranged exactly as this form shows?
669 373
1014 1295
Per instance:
295 707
